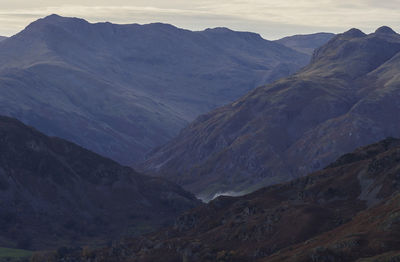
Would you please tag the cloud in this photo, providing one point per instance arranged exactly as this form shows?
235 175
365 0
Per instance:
271 18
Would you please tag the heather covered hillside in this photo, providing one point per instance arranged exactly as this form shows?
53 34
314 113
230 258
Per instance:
54 193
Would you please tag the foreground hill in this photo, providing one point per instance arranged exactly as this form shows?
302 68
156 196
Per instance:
56 193
306 43
347 97
121 90
348 211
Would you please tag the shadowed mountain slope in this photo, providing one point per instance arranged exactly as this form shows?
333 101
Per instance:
55 193
306 43
347 97
345 212
121 90
2 38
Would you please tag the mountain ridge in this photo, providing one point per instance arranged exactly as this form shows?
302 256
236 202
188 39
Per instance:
306 43
132 87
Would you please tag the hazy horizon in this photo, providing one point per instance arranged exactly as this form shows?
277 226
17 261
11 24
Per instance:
273 20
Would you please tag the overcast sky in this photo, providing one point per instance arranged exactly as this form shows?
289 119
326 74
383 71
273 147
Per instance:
271 18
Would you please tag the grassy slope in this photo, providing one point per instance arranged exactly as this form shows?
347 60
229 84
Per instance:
9 254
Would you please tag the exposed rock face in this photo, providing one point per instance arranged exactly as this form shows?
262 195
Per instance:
347 97
306 43
324 216
121 90
54 193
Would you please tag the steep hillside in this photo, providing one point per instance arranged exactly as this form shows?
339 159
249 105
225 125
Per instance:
348 211
121 90
306 43
373 235
347 97
56 193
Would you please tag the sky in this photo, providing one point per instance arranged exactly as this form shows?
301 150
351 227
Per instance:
272 19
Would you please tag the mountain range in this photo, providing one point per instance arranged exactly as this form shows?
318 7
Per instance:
55 193
2 38
271 163
306 43
121 90
348 96
348 211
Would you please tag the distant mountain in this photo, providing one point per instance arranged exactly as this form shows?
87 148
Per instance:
306 43
346 212
121 90
55 193
347 97
2 38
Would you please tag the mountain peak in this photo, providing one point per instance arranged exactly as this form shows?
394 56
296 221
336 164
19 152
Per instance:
42 25
354 32
344 51
162 26
219 29
385 30
55 19
226 32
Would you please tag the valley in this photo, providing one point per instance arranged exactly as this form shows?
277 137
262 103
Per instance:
345 98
